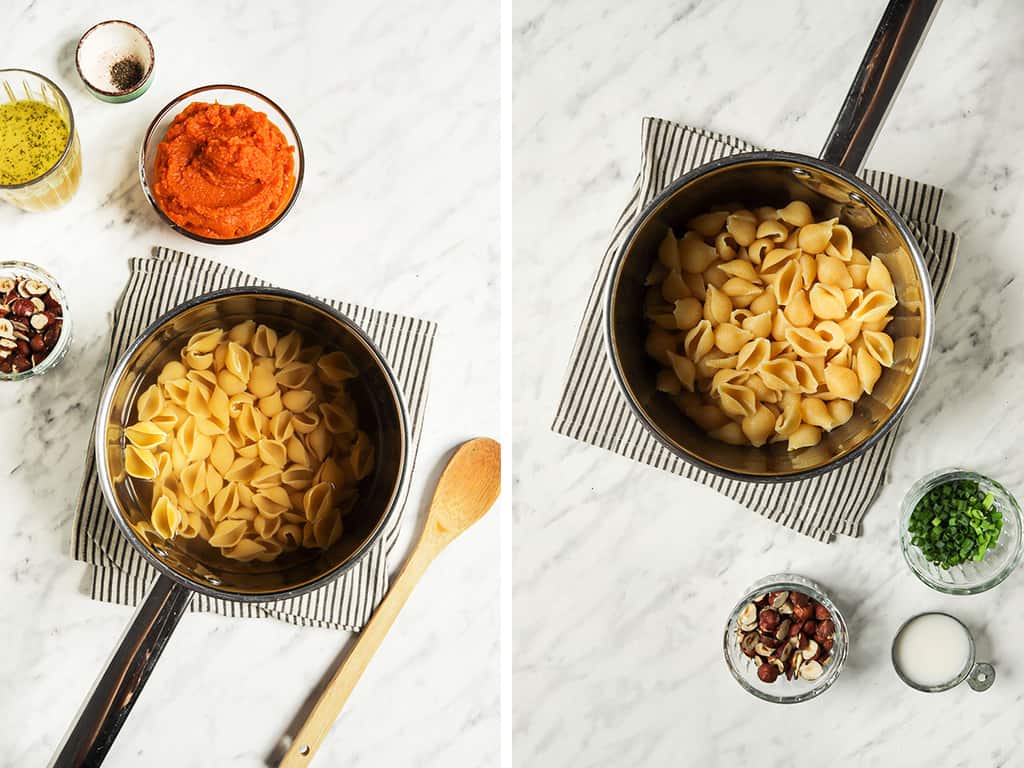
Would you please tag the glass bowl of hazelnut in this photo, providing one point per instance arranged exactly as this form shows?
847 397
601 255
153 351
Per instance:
35 329
785 641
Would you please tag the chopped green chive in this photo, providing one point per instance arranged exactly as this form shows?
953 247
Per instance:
953 524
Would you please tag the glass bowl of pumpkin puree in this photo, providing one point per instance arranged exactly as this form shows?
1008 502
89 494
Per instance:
221 164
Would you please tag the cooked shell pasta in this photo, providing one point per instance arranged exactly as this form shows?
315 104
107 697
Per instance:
767 325
252 443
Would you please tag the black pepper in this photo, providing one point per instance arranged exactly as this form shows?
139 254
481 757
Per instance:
126 73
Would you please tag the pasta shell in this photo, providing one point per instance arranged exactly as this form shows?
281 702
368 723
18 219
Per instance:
760 325
687 313
753 354
214 482
831 333
730 433
219 356
264 341
172 371
228 533
868 369
272 453
262 382
840 243
806 379
246 550
841 412
298 400
146 434
361 458
656 275
742 225
194 444
238 362
708 224
842 382
775 231
787 422
668 251
698 342
832 271
759 427
796 214
266 527
806 342
166 518
777 258
737 400
271 502
764 303
879 345
250 423
319 443
242 334
140 463
287 349
331 472
299 478
694 254
205 341
177 391
242 470
674 288
805 436
726 246
717 306
271 405
327 530
150 403
799 311
290 536
738 287
318 501
281 427
683 370
198 401
297 452
787 283
874 306
815 238
814 411
195 360
266 477
294 375
730 338
878 277
850 328
220 412
843 357
827 302
758 250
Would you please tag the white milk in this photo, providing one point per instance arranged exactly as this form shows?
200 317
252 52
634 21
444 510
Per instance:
932 650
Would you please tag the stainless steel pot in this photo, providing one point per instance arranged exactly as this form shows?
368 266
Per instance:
829 185
188 566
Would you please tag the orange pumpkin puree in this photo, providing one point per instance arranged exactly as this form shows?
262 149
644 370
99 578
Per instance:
223 171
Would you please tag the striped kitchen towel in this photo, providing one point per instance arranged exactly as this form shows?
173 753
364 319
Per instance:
119 574
592 409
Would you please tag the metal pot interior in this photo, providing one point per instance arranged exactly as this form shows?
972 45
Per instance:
757 179
381 412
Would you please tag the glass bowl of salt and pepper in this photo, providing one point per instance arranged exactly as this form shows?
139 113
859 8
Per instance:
115 61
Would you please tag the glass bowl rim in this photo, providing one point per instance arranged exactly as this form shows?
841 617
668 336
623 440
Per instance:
300 170
71 129
790 581
60 350
939 477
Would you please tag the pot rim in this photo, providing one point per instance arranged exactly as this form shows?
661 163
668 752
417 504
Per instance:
100 444
791 159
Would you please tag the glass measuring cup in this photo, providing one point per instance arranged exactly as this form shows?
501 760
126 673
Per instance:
979 674
58 185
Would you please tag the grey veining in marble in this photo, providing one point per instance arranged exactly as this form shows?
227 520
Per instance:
622 576
397 105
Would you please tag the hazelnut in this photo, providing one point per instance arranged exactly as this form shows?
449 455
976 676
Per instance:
811 651
783 631
36 343
811 670
761 599
748 617
6 329
799 598
802 612
776 599
23 347
825 630
769 620
6 366
6 285
747 643
763 650
785 652
794 628
38 304
35 288
22 308
809 627
21 363
769 640
767 673
827 644
40 320
821 612
51 303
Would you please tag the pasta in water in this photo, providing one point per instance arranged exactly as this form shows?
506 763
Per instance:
252 443
768 325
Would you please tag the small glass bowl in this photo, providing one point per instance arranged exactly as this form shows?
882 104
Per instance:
784 691
24 269
220 94
971 577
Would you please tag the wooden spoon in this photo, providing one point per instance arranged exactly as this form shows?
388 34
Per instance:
467 488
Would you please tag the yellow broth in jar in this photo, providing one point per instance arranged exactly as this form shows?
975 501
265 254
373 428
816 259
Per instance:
33 137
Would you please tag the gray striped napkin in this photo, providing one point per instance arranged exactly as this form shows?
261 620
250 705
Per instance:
120 575
592 409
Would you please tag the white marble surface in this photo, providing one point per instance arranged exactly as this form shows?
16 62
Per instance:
397 105
621 575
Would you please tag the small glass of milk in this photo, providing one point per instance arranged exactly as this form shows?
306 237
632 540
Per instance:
934 652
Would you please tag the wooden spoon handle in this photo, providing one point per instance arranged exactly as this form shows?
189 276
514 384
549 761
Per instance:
333 697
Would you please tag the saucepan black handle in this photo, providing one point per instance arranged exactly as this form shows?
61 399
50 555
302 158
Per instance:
888 58
114 694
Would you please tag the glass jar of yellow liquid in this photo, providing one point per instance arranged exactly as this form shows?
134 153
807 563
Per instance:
40 155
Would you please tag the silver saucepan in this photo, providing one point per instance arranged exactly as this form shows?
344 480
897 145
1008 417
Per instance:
829 184
189 566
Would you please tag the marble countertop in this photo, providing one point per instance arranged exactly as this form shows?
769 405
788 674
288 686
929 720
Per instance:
621 575
397 106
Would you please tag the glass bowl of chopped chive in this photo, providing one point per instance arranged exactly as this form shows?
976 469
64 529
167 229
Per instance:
960 532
